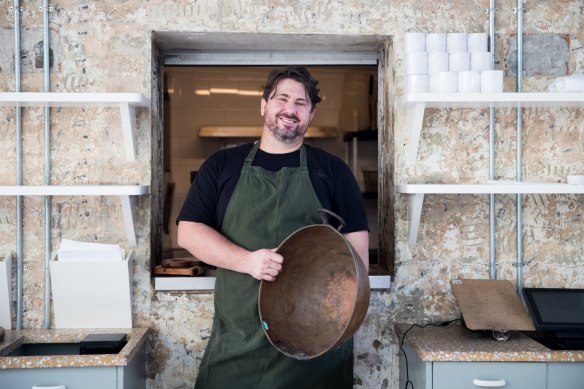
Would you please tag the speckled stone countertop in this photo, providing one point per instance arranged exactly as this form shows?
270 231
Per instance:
455 343
13 339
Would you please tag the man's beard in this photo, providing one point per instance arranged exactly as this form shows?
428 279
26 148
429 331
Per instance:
285 135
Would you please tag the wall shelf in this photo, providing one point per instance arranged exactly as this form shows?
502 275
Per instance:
416 194
416 104
70 190
126 194
127 103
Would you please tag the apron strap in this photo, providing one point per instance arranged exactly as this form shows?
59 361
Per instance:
303 158
252 153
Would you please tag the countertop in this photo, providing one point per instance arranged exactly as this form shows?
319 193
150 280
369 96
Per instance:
136 337
453 343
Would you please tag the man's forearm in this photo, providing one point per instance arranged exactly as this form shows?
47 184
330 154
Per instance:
360 242
211 247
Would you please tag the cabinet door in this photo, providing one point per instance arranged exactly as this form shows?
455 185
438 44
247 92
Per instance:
71 377
565 376
418 371
466 375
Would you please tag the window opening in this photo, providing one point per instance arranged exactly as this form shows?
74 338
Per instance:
207 108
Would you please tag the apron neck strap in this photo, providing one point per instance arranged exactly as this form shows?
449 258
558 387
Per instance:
303 156
252 153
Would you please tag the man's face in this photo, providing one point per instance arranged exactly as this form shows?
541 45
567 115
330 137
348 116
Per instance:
287 112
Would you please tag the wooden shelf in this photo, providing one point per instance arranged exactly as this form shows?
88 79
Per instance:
256 132
416 103
127 102
416 194
126 194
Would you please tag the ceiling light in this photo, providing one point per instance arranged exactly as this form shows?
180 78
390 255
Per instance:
224 91
249 93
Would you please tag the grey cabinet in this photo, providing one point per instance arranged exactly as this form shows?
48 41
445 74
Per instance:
130 376
70 377
509 375
563 375
475 375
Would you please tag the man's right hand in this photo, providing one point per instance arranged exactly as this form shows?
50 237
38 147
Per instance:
264 264
211 247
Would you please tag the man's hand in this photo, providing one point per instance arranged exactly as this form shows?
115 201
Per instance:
211 247
264 264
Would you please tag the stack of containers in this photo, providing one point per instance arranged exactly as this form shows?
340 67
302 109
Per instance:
450 63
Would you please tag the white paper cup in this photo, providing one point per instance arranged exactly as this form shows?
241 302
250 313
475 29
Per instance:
416 62
435 41
481 61
456 42
444 82
414 41
477 42
576 179
492 81
469 81
459 61
437 62
417 83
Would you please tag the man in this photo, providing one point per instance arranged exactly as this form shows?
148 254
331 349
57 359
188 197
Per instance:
243 203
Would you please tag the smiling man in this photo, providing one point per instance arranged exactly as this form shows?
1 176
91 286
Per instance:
243 203
287 113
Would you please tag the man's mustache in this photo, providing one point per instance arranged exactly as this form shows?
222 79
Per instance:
293 117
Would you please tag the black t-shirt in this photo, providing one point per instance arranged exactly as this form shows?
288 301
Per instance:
215 182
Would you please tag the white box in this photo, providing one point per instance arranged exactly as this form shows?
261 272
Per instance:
92 294
5 292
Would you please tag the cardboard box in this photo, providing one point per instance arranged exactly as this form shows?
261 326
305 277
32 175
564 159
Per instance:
5 292
92 294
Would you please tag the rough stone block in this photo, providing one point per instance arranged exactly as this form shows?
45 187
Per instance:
543 55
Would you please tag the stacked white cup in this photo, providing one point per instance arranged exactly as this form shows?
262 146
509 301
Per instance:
416 62
469 79
440 79
481 63
449 63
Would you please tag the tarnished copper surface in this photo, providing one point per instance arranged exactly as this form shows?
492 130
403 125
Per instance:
321 297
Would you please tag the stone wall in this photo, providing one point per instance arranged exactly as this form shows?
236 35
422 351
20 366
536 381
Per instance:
106 46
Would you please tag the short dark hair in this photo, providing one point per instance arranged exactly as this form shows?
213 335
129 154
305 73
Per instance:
296 73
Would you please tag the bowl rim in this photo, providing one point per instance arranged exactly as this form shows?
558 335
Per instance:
354 303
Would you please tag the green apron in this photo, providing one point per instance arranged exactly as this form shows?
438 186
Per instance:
264 209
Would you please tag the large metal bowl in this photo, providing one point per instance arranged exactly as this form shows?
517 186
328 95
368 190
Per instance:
320 298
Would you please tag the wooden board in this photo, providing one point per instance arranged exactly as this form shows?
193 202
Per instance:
491 305
192 271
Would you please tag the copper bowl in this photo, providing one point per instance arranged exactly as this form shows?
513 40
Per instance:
320 298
